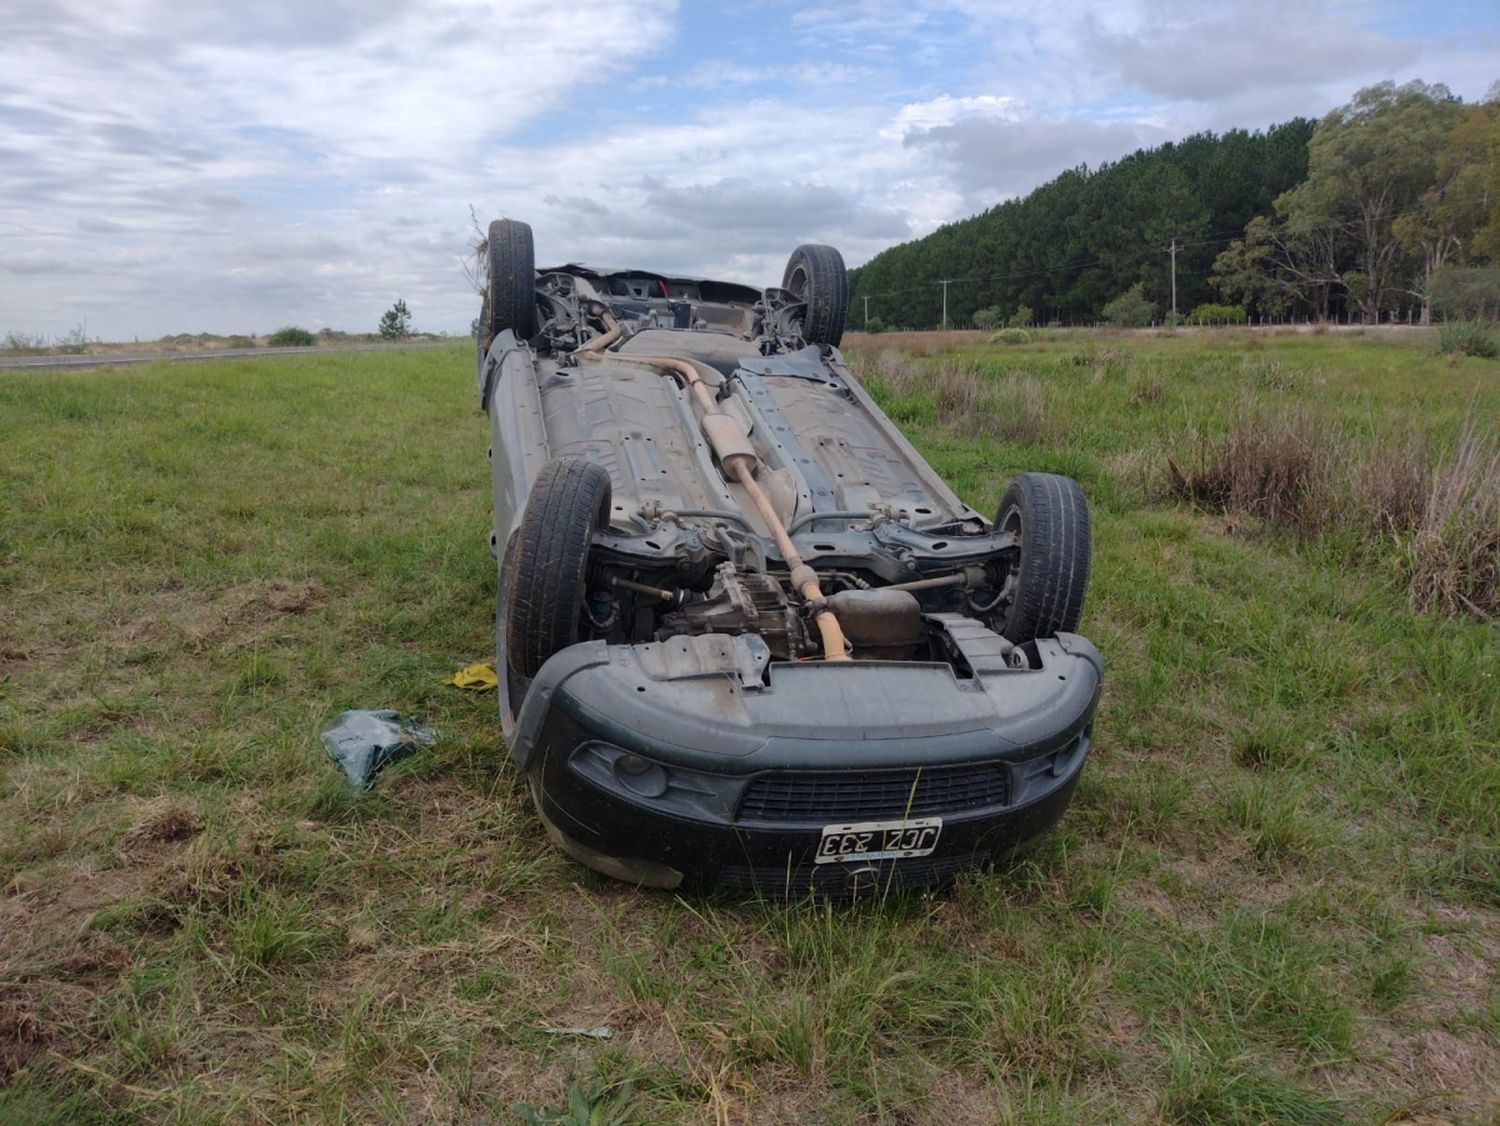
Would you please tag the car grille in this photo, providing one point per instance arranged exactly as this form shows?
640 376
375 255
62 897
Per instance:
849 795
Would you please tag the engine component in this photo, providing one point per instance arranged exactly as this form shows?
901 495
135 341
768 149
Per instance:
882 624
742 603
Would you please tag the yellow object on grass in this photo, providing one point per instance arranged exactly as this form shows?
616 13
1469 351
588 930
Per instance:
476 678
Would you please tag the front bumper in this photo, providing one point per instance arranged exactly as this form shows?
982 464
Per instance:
678 765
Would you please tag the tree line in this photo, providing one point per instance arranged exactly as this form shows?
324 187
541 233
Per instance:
1386 208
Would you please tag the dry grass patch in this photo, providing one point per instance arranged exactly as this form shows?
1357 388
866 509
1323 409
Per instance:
1437 517
967 399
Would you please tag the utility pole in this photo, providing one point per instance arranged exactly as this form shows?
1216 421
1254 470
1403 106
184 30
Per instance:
944 282
1174 282
867 312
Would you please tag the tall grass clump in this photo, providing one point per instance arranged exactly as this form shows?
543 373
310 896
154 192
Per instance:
1467 338
1453 556
1438 516
1270 466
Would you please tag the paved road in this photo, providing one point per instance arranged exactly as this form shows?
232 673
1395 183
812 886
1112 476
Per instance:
16 363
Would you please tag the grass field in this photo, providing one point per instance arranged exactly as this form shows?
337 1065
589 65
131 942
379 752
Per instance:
1277 897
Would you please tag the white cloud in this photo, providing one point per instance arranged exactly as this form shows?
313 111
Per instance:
229 166
945 109
1206 54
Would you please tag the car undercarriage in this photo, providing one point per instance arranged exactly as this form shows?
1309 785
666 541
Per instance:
694 494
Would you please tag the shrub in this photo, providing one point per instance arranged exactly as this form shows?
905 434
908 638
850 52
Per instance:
989 318
1011 336
240 342
290 336
74 342
1021 318
1130 309
1210 313
875 325
23 344
1467 338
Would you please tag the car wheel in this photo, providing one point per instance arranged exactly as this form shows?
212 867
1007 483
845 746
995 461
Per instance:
543 591
1050 518
815 274
511 303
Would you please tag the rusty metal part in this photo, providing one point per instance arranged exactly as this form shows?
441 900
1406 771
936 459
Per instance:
642 588
880 623
613 329
968 577
740 465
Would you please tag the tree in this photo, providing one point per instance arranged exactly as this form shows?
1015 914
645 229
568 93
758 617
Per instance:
1084 237
1460 204
1131 309
1368 163
1467 292
1278 266
1481 180
396 324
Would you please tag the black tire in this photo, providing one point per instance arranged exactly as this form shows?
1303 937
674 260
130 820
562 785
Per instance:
816 275
546 579
511 302
1050 517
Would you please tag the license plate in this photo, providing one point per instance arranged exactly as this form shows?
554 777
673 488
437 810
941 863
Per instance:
878 840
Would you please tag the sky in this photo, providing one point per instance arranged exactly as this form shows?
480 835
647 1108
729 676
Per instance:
232 167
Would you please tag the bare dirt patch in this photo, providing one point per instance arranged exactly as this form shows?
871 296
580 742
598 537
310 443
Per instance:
294 598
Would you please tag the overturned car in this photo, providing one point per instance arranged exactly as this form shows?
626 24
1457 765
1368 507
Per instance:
746 638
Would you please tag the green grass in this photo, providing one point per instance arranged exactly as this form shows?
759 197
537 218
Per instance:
1277 896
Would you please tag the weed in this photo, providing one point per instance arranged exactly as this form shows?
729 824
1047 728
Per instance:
265 929
1271 816
1148 392
1272 374
1207 1084
598 1105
